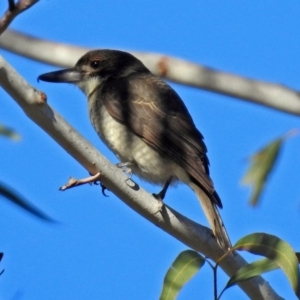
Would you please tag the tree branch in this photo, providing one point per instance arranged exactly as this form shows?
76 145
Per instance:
195 236
181 71
13 10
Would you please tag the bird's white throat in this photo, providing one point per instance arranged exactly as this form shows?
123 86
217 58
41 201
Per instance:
90 85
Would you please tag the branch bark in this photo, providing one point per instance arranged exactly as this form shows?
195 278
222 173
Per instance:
271 95
195 236
13 10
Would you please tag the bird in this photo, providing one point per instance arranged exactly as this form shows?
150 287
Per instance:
145 123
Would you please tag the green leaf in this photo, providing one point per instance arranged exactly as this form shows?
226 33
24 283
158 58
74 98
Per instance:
254 269
251 270
10 133
262 163
182 270
11 195
274 249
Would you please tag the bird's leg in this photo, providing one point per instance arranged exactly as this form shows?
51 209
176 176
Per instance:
161 195
125 168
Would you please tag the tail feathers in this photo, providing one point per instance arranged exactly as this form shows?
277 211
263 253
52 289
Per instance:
213 216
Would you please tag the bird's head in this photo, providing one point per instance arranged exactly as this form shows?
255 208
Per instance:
95 67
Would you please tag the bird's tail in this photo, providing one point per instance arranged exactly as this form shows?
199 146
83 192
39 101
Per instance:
213 216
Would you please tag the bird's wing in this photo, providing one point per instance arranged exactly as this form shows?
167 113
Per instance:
154 111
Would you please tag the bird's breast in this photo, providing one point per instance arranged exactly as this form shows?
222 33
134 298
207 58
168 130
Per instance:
128 147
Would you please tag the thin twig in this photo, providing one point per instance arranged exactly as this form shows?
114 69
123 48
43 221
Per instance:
13 10
11 5
76 182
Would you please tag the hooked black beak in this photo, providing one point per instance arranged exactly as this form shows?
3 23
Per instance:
67 75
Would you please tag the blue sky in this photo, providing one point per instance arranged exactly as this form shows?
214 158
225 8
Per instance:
101 249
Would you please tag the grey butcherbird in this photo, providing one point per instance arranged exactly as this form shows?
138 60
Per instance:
146 124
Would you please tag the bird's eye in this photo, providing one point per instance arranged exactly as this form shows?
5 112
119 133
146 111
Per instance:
95 64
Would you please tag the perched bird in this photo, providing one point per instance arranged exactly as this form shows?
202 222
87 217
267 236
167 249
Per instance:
146 124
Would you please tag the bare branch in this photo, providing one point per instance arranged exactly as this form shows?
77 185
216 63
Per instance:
76 182
14 9
11 5
195 236
178 70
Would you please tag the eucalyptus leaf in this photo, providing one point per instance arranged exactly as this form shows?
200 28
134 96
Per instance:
10 133
274 249
185 266
19 200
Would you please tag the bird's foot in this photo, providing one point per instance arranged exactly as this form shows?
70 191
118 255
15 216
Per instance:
161 195
125 166
103 189
76 182
160 206
160 203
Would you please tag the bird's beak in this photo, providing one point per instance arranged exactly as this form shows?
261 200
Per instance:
67 75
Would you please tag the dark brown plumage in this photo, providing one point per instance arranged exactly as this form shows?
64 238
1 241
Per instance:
144 122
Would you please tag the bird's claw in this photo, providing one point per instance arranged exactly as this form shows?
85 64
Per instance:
125 168
160 203
103 189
